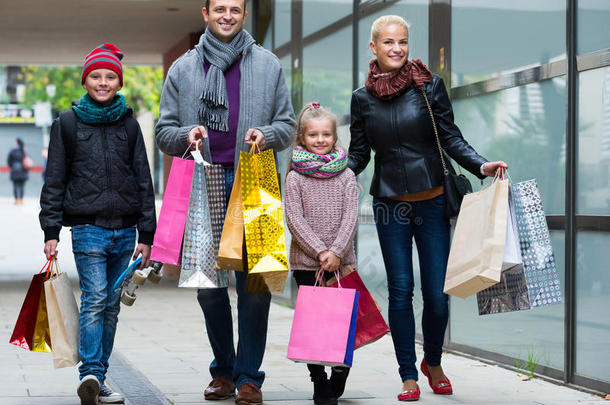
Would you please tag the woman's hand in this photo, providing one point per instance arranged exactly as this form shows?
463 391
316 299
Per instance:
329 261
144 250
50 248
490 168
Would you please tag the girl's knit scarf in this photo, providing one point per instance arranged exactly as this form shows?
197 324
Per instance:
319 166
91 112
388 85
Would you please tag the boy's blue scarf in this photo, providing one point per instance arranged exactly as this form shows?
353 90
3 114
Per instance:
91 112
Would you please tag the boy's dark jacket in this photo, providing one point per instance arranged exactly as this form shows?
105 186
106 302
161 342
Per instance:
97 180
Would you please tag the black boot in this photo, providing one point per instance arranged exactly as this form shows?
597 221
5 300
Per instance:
323 393
338 377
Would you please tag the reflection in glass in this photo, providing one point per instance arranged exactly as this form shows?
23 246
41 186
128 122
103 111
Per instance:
593 197
525 127
281 22
318 14
592 303
489 38
327 72
592 26
416 15
537 331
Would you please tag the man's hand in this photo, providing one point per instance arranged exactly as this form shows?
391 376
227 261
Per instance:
490 168
255 135
329 261
144 250
196 135
50 248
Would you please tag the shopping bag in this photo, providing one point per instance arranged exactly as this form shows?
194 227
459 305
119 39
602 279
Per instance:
370 325
26 334
510 294
63 319
167 243
202 235
265 232
232 238
324 326
477 249
538 259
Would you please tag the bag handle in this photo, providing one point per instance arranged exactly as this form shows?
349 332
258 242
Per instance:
441 151
46 267
196 142
319 278
255 148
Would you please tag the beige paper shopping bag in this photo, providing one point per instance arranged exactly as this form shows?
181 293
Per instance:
63 320
477 249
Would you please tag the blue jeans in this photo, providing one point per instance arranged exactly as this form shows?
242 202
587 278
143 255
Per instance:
101 255
397 224
252 319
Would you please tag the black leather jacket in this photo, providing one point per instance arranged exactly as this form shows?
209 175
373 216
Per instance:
400 132
98 180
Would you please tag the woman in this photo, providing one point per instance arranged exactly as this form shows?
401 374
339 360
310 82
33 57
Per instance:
19 173
390 116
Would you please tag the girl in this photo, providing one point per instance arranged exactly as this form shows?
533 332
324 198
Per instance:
98 182
322 214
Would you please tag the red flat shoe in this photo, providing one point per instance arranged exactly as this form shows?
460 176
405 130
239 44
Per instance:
442 387
410 395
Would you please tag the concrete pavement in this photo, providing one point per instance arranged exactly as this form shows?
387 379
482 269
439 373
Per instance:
162 353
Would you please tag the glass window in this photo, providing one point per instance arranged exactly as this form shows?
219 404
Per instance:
592 303
327 72
593 197
282 22
489 38
525 127
416 15
537 332
318 14
593 33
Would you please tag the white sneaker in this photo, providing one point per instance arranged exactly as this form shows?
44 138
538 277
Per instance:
108 396
88 389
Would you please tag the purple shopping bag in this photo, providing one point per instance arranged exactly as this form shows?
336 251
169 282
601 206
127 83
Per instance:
167 244
324 326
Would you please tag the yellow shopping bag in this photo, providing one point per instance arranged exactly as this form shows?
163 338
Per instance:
265 232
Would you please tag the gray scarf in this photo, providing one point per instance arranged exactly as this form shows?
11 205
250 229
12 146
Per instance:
214 110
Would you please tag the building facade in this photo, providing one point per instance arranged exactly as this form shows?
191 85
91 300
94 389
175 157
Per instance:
530 85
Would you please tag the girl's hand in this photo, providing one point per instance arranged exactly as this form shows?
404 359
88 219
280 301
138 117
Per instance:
490 168
144 250
50 248
329 261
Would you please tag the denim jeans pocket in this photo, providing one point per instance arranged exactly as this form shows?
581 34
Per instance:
438 201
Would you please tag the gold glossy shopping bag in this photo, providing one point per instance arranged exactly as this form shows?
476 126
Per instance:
265 231
232 238
42 333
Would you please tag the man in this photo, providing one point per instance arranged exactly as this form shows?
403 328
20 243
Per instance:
228 93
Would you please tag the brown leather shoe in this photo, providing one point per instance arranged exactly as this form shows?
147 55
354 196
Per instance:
249 394
219 388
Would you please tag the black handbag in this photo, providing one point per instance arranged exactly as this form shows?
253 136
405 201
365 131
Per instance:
456 186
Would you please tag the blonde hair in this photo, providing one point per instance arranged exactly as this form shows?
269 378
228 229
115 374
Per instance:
384 21
309 112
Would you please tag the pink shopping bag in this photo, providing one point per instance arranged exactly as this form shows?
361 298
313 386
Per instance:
167 244
324 326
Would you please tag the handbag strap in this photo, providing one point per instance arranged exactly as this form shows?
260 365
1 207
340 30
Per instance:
438 142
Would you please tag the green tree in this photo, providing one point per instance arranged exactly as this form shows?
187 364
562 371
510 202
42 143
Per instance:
142 86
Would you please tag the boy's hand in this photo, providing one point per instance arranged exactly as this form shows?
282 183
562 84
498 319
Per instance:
50 248
144 250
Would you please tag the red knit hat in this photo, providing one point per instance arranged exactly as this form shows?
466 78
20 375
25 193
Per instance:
105 56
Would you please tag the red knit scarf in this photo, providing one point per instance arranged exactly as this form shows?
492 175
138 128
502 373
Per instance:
391 84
